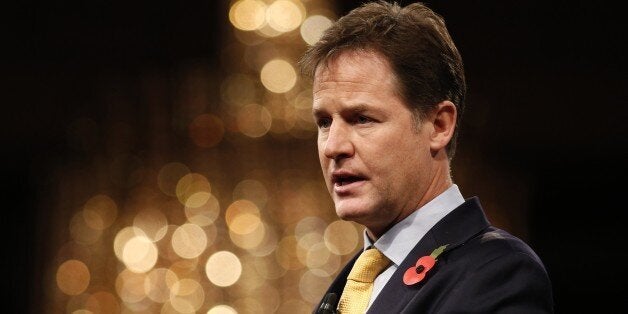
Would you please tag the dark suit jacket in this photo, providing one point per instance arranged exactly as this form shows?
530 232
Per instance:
483 270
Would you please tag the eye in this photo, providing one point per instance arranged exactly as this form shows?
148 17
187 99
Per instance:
362 119
323 123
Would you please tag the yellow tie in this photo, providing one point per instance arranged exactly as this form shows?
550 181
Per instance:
357 293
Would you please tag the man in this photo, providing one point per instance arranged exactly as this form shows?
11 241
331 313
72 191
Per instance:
388 93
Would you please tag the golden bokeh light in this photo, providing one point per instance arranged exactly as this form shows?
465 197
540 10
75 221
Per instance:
284 15
266 31
256 56
169 176
159 283
267 299
205 214
206 130
102 302
167 308
187 269
144 306
211 231
251 190
278 76
317 256
304 130
268 267
223 268
304 127
185 287
313 28
193 190
250 279
294 306
284 117
139 254
249 240
332 263
166 251
308 225
73 277
130 286
341 237
249 305
152 222
244 224
248 15
299 198
240 208
222 309
81 231
187 296
122 237
302 102
100 212
312 286
77 302
286 253
189 241
238 89
306 243
254 120
267 245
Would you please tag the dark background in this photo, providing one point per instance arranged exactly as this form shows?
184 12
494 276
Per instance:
546 103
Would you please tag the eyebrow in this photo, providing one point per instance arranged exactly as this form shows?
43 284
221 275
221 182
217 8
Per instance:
357 108
317 113
351 109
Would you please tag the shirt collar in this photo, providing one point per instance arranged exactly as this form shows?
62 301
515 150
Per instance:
399 240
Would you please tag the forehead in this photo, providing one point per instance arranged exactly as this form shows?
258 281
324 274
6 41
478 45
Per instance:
356 81
355 66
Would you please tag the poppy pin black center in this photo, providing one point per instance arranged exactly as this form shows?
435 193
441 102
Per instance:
419 269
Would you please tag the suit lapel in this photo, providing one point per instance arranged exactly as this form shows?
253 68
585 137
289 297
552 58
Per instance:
462 224
341 280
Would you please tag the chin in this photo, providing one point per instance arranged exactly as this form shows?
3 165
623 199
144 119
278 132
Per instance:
352 213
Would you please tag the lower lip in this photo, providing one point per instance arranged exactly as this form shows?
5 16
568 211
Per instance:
347 188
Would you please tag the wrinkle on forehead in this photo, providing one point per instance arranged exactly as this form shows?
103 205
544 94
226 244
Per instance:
354 67
325 85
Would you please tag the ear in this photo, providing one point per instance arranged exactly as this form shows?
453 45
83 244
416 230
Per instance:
444 122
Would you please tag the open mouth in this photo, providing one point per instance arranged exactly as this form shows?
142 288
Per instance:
345 179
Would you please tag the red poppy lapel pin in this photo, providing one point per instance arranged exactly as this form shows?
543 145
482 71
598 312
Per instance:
417 272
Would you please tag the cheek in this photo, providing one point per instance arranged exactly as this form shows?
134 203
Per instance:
324 162
380 156
392 161
322 159
321 147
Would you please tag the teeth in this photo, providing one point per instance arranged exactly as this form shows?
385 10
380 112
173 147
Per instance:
346 180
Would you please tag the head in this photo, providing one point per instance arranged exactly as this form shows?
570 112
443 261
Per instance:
388 88
416 43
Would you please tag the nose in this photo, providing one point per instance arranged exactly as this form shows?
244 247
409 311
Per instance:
338 144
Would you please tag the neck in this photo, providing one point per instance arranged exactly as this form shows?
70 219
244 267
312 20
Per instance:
440 182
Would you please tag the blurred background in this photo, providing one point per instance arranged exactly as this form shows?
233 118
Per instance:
159 157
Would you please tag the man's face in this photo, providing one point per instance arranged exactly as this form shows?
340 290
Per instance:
375 160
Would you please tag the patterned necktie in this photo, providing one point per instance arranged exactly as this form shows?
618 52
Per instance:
357 293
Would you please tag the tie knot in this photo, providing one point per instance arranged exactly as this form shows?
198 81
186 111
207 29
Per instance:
369 264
